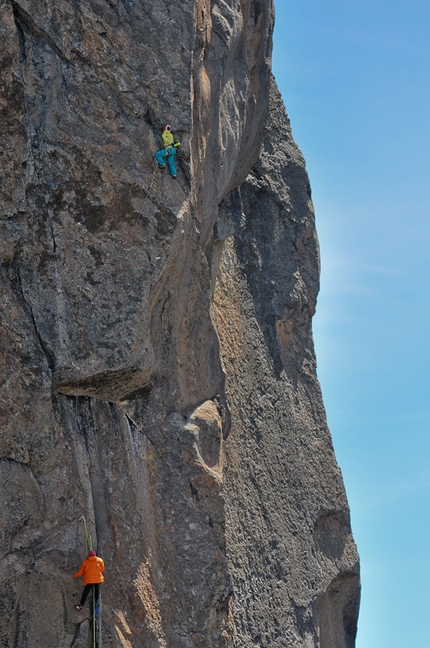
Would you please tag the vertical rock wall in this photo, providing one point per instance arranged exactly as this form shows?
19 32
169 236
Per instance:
291 555
158 374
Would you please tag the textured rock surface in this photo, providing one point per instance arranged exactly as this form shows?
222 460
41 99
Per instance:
158 373
292 559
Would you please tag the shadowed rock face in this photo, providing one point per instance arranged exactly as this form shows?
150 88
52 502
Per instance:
158 373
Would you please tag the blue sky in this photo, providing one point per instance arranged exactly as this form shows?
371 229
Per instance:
355 78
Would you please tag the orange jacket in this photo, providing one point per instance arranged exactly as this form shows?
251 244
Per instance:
92 570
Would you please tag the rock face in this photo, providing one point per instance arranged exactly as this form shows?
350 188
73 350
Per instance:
158 373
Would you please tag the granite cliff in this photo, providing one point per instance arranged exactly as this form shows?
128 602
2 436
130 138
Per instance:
158 371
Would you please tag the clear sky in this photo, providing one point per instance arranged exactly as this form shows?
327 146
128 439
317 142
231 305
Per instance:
355 78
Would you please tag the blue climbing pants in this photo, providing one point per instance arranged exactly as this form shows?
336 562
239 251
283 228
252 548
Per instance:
168 153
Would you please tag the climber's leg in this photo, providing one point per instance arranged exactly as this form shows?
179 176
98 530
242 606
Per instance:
171 152
85 593
159 156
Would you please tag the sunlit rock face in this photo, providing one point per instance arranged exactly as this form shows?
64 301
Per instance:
158 372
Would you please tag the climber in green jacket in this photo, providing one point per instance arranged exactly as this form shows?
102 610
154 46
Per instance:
169 151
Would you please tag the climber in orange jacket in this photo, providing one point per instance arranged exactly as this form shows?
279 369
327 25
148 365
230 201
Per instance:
92 570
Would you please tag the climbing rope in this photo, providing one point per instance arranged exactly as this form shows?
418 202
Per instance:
88 539
94 617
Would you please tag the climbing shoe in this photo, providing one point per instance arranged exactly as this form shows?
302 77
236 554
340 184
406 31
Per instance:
161 166
79 607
